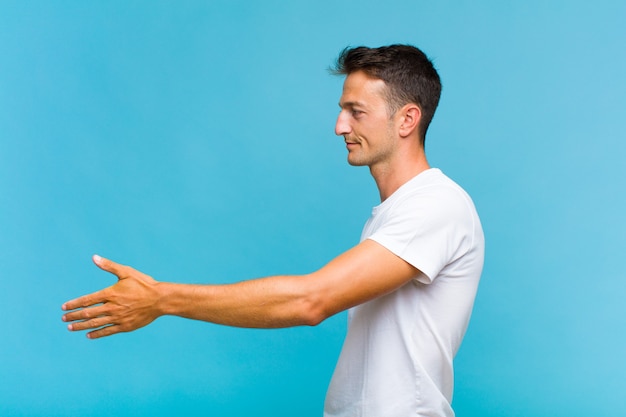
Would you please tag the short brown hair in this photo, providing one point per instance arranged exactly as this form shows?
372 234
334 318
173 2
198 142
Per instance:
408 73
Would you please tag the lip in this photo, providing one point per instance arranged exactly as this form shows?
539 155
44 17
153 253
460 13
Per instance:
351 145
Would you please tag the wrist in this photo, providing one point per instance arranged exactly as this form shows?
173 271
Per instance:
162 301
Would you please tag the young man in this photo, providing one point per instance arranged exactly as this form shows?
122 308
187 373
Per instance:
410 284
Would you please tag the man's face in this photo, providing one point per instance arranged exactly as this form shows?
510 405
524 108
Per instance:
364 121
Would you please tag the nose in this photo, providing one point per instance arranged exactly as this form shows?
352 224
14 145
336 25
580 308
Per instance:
342 127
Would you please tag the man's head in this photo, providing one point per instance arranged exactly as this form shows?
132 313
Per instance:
409 75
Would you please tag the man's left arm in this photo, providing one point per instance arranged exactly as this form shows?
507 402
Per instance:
362 273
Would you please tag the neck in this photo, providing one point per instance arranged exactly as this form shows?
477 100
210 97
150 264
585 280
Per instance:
391 176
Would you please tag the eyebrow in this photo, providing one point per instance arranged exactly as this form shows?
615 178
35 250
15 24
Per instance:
351 104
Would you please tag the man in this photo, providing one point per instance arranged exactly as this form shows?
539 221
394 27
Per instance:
410 284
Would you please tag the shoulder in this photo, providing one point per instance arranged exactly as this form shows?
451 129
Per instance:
429 223
434 192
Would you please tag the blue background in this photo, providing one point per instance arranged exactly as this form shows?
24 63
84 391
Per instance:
195 142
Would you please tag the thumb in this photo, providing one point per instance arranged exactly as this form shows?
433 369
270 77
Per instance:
107 265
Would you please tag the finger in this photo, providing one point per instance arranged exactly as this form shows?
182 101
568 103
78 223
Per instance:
103 332
107 265
89 324
85 301
85 313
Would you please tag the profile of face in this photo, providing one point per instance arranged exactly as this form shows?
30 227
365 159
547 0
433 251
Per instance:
364 121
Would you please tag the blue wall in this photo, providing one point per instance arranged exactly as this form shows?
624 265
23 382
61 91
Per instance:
195 142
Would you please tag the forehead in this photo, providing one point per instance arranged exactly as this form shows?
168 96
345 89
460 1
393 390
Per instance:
360 88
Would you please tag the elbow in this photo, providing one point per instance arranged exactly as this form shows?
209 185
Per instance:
315 312
317 301
312 319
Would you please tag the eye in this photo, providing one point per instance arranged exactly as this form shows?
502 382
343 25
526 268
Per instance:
356 113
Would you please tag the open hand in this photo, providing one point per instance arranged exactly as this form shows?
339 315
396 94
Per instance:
127 305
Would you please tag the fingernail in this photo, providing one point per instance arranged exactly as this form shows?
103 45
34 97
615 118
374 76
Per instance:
69 327
97 258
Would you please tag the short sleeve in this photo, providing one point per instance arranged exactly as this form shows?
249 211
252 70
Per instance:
428 228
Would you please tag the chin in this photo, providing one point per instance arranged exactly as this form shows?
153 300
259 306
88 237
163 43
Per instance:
356 163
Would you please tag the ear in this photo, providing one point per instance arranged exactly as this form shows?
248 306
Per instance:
410 117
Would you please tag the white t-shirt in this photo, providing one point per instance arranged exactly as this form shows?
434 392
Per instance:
397 356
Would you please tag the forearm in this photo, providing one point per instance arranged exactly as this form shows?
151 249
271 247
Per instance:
365 272
279 301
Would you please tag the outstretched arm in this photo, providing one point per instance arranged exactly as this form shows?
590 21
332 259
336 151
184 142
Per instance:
362 273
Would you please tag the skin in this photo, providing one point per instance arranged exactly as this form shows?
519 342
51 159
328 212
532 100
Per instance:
388 144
